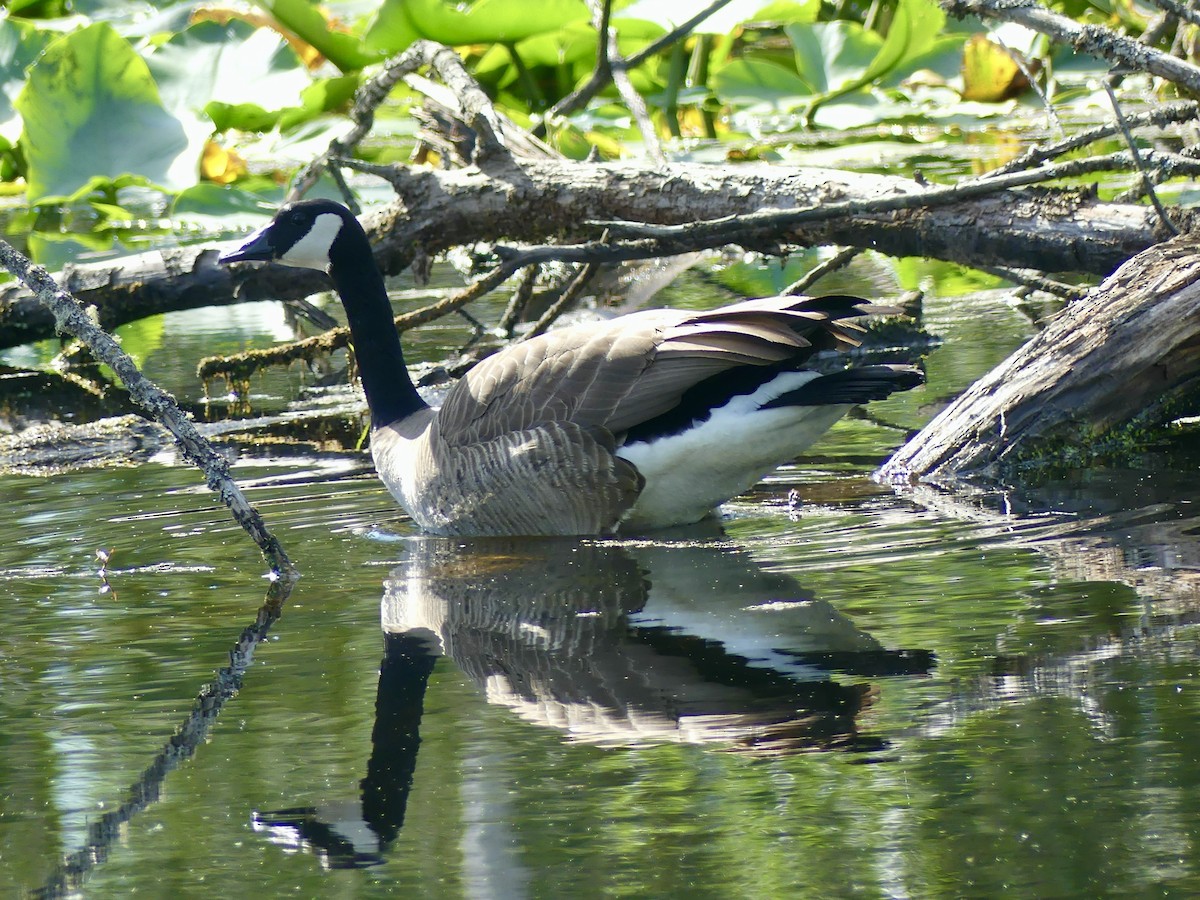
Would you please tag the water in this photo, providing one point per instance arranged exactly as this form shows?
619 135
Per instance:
867 693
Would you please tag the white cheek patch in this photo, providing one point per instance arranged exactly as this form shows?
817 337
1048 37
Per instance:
312 250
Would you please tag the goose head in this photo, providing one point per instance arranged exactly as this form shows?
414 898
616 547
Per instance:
324 235
308 234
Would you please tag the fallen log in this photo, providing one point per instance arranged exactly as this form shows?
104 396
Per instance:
1124 359
558 200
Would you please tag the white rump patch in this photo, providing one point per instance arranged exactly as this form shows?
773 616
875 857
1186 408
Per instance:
312 250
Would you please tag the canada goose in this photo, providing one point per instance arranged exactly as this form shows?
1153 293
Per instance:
643 421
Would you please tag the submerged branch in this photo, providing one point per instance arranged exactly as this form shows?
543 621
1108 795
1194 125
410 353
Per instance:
73 319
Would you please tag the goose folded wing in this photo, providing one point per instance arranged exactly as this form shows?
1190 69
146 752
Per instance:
612 376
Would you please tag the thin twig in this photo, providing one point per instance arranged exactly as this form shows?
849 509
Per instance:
602 73
1031 79
1038 282
675 34
1179 10
1147 183
1167 114
602 15
72 319
578 283
527 280
242 365
635 104
816 273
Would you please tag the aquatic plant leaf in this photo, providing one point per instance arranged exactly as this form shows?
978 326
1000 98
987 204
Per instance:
20 44
914 29
990 72
760 86
222 207
833 56
92 116
306 20
399 22
839 57
237 75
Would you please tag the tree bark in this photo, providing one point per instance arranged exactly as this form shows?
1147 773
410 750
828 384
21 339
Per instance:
1120 359
553 200
1050 230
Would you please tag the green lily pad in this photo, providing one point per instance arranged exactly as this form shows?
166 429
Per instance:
92 116
833 56
399 22
914 29
839 57
222 207
238 75
760 86
20 44
304 19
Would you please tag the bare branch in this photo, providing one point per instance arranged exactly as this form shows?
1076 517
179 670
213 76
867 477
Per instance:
732 229
476 105
838 261
1147 183
1031 279
1167 114
1179 10
570 293
603 73
73 319
519 300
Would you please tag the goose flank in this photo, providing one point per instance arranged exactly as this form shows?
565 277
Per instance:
643 421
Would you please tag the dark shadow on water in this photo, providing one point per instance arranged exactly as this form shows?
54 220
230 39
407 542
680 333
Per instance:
611 644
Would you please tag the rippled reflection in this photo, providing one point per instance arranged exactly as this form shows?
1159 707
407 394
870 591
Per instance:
627 644
612 644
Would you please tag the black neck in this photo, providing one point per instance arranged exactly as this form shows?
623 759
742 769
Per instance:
390 392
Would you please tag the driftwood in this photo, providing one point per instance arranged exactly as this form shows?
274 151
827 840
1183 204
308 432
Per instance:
535 200
142 285
544 200
1123 358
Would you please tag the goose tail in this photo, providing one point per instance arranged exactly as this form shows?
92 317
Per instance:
854 386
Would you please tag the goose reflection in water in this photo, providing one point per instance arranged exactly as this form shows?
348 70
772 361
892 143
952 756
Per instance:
621 644
615 644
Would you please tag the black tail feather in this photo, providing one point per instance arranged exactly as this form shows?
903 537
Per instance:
859 385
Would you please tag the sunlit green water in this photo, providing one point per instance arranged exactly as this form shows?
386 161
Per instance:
865 693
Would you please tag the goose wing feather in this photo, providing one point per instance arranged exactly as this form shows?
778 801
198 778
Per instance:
608 377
